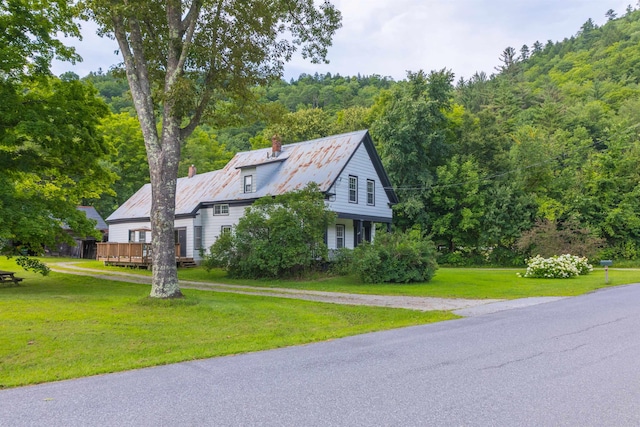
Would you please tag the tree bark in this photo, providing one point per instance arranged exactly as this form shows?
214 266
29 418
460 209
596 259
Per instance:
163 166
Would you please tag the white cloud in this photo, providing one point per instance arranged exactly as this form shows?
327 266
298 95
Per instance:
389 37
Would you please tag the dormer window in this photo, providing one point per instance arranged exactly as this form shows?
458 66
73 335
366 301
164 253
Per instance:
248 184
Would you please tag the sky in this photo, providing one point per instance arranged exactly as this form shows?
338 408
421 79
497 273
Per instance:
391 37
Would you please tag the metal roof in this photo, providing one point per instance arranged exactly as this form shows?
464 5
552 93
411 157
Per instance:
319 160
92 213
190 192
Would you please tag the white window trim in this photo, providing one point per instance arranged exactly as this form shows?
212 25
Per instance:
225 229
354 178
342 231
371 193
197 237
221 209
249 185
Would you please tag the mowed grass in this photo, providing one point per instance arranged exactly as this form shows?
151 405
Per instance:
475 283
64 326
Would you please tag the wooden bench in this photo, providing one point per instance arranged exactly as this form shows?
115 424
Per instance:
9 276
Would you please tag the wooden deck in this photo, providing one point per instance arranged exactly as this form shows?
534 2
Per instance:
134 255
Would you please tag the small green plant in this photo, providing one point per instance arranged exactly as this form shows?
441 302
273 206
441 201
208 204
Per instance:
557 267
396 257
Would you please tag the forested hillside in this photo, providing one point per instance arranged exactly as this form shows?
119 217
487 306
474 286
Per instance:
540 156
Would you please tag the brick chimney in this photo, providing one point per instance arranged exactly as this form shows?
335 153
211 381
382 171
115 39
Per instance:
276 145
192 171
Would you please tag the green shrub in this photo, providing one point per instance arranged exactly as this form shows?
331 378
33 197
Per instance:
506 257
627 250
462 257
277 237
396 258
342 262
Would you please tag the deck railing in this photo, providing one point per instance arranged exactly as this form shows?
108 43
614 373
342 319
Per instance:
132 252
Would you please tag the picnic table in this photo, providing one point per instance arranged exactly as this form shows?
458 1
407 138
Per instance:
9 276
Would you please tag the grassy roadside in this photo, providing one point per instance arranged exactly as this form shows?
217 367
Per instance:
64 326
475 283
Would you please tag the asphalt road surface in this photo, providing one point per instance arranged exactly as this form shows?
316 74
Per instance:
570 362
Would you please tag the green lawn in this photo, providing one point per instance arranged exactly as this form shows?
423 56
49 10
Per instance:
64 326
447 283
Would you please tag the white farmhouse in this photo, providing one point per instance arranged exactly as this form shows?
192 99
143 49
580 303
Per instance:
346 167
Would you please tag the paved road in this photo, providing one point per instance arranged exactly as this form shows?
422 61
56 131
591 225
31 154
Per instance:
571 362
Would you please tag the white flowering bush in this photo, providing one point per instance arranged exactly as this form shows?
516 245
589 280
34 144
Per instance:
557 267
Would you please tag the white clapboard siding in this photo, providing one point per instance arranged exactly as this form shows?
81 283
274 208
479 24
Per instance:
348 234
212 224
361 167
120 232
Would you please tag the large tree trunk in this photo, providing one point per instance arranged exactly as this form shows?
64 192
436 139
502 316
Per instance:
163 166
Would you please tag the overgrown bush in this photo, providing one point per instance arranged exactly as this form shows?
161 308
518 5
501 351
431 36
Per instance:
280 236
397 258
557 267
547 238
341 262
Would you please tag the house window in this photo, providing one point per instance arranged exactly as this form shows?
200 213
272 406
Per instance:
221 209
132 236
197 237
371 192
248 184
225 229
353 189
142 236
339 236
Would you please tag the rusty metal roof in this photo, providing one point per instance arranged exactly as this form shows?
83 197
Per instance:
319 160
190 192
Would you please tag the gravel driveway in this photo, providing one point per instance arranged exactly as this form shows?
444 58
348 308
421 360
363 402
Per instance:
464 307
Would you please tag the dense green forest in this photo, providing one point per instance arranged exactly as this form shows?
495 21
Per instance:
495 168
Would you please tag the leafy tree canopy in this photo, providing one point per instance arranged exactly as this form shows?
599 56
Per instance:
50 149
